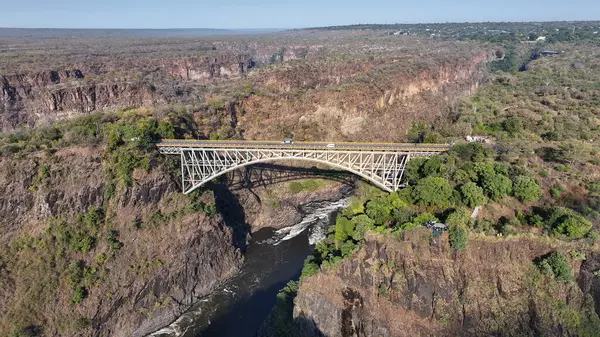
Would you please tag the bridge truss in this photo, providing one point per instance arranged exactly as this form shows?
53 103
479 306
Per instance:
200 165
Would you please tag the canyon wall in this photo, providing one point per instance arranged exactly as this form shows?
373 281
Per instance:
410 286
164 260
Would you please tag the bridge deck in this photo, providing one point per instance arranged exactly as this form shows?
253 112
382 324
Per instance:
330 146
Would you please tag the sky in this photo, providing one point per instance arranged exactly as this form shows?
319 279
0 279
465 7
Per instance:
236 14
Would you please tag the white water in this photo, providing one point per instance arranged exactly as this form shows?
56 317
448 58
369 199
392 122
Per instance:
317 214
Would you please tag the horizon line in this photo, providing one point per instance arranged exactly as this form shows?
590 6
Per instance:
292 28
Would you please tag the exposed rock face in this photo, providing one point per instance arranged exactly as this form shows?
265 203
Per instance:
43 97
158 272
408 287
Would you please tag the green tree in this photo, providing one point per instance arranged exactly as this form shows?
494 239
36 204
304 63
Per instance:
433 167
379 210
311 267
526 189
458 218
432 191
362 224
472 195
496 186
458 237
512 125
344 228
413 170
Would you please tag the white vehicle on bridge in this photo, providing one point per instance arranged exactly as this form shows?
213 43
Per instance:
330 145
287 141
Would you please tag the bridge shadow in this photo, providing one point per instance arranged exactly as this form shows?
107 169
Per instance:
232 212
262 175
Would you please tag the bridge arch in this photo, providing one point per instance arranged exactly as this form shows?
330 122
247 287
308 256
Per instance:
266 160
384 169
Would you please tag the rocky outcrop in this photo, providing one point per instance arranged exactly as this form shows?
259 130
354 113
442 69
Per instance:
44 97
168 261
411 287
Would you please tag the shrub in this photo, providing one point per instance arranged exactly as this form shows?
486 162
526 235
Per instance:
458 237
362 223
555 265
472 195
112 240
422 218
568 222
496 186
512 125
79 295
432 191
526 189
379 210
577 255
311 267
556 191
459 218
344 228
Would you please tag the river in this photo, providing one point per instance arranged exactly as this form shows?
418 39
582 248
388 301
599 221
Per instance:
272 258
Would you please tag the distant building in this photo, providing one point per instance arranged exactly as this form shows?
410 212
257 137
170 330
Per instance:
477 139
541 39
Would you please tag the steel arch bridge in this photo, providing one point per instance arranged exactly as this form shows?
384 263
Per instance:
383 164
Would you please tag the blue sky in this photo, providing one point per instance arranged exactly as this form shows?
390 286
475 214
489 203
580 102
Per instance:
279 13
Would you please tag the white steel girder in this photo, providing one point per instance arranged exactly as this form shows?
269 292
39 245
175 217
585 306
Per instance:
385 169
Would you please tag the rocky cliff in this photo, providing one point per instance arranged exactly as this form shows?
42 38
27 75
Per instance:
411 286
141 254
42 97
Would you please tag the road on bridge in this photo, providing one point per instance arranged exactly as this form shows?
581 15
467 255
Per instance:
265 144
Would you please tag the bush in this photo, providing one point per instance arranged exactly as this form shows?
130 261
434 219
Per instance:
555 265
556 191
458 237
379 210
79 295
112 240
568 222
311 267
432 191
472 195
344 228
422 218
458 218
433 167
512 125
526 189
496 186
362 224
